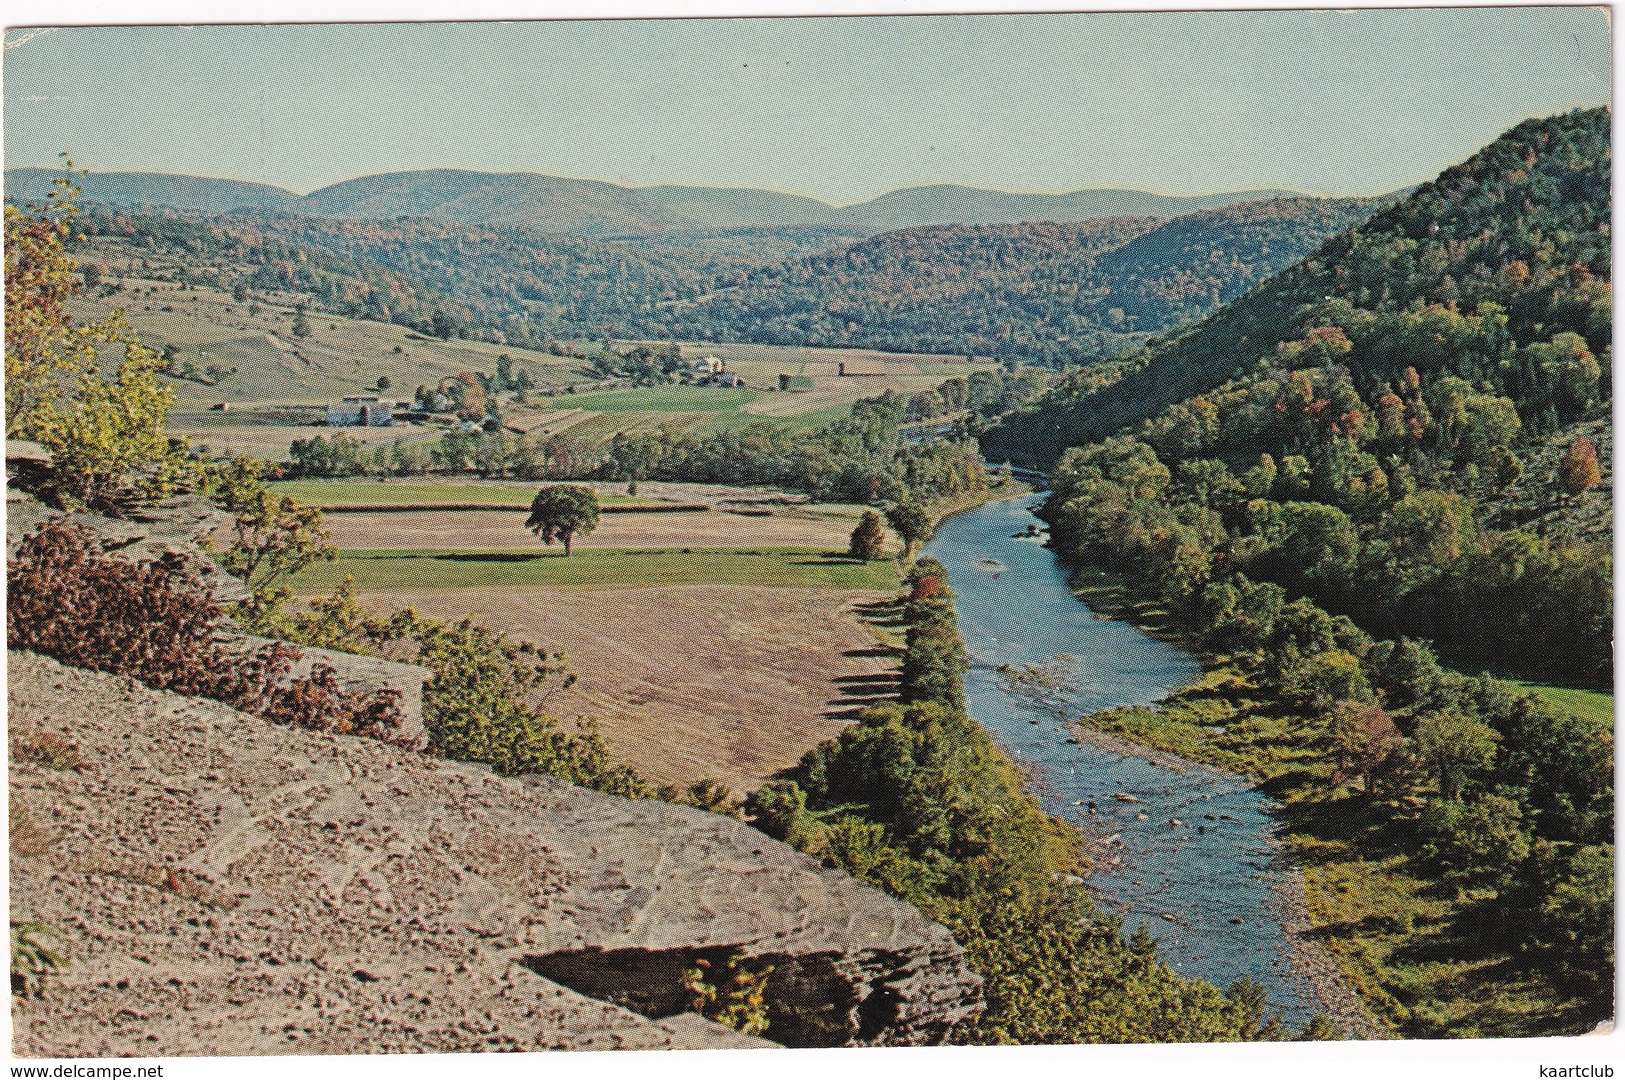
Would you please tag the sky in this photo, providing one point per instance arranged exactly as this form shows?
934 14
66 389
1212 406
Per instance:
839 109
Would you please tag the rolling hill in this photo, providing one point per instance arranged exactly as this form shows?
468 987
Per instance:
949 204
151 189
594 208
1056 292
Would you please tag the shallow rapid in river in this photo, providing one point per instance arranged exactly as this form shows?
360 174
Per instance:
1189 852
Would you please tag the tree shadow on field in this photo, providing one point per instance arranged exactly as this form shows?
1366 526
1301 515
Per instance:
859 692
500 556
829 558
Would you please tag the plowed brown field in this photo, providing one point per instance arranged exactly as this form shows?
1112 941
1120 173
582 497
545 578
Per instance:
729 682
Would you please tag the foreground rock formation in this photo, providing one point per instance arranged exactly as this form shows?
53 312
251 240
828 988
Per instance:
225 886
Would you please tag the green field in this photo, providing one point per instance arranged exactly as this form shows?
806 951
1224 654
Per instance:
665 399
1587 704
412 571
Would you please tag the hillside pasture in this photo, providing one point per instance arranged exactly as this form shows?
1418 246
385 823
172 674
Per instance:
339 356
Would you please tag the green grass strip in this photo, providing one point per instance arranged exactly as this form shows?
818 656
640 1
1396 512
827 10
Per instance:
1592 705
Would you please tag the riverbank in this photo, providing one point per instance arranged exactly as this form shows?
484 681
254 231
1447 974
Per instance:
1318 966
1192 867
1375 901
997 490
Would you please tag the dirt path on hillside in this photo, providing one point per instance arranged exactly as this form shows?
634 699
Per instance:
729 682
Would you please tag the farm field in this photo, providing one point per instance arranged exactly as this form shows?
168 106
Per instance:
405 570
256 362
715 517
339 494
666 399
808 528
706 643
731 682
270 442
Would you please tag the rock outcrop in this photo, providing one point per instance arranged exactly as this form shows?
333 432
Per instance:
225 886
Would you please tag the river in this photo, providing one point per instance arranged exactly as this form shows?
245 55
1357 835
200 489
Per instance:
1191 857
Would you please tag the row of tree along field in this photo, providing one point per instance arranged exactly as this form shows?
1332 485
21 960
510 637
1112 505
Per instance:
862 458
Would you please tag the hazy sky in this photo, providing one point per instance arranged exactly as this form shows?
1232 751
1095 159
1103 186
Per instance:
840 109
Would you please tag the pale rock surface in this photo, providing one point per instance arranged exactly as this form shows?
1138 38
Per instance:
226 886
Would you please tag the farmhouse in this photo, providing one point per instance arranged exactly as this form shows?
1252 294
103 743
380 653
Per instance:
726 378
362 410
708 363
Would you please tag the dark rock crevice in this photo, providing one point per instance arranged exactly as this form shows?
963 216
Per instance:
812 999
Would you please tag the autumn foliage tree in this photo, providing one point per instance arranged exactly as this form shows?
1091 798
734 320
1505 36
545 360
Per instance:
106 436
1581 471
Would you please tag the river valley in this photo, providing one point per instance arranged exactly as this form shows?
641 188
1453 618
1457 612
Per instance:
1179 848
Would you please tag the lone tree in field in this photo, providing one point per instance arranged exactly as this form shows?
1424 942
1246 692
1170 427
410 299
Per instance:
912 524
561 511
868 539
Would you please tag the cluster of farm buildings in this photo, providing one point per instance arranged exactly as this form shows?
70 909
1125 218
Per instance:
373 410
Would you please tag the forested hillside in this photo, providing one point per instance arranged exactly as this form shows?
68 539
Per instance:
1043 291
1380 466
1056 293
504 284
1449 342
1522 226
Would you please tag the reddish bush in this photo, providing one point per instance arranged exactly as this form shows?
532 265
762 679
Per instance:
155 622
926 587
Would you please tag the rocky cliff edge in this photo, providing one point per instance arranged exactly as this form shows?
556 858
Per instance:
225 886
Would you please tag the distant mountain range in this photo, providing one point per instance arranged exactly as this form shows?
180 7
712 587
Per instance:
201 193
595 209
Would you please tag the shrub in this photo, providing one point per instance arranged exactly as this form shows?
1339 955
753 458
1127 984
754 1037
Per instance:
156 622
868 538
734 997
34 957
